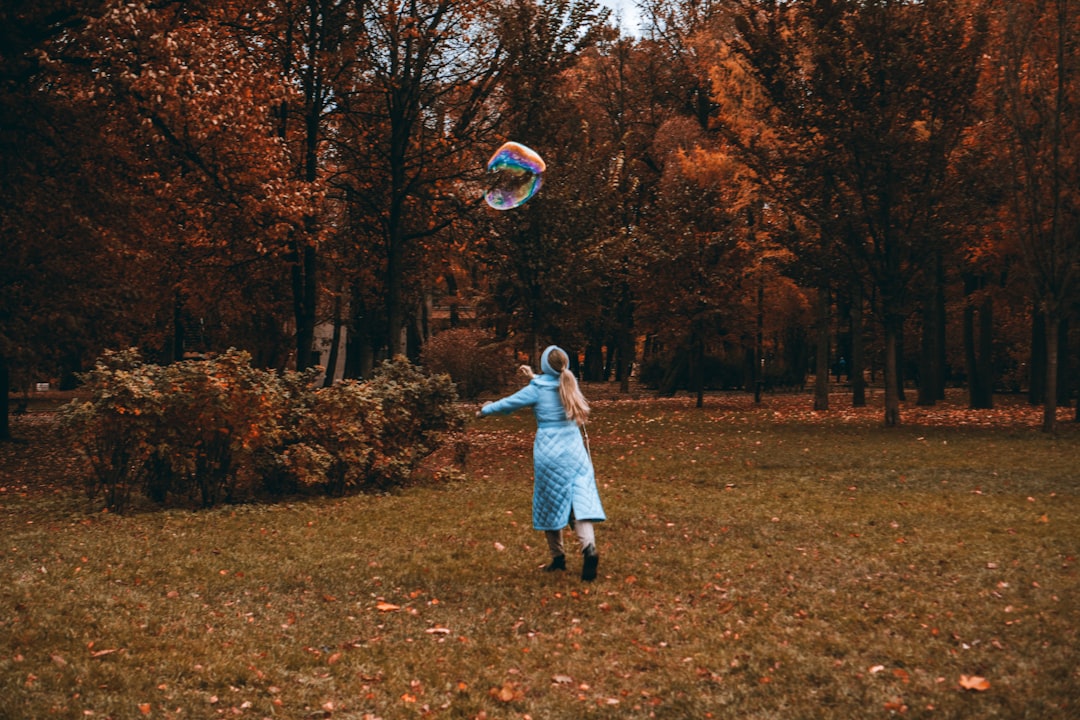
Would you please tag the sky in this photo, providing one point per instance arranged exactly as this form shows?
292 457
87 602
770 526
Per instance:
628 11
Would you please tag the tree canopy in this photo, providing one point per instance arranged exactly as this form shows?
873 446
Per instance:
745 194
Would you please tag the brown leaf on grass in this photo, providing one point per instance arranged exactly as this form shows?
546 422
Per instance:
509 692
974 682
386 607
561 679
103 653
144 708
896 705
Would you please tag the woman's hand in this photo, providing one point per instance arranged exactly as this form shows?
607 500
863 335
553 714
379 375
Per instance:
480 413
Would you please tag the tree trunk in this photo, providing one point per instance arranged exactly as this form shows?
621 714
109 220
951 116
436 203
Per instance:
626 358
927 394
304 294
977 346
942 330
1050 404
759 344
986 351
1037 369
893 323
335 344
594 361
395 316
858 349
698 368
900 376
452 298
610 359
5 399
821 371
931 354
1064 389
360 339
176 351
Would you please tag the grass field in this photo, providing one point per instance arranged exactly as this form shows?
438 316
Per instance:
758 562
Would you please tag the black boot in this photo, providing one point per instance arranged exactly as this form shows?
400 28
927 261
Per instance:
557 563
592 560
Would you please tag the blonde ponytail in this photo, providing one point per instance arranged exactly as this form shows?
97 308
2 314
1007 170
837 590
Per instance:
574 403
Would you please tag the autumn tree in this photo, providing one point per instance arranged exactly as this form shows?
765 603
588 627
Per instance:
1035 77
61 296
413 112
540 282
858 106
313 45
702 250
621 115
190 104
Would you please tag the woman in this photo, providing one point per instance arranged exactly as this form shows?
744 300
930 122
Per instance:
564 484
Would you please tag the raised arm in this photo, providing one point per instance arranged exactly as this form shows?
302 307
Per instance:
525 397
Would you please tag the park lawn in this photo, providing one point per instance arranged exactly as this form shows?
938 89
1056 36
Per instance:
758 562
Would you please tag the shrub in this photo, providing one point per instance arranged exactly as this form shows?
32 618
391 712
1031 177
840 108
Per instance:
192 429
419 412
218 430
373 435
336 439
115 429
473 359
220 415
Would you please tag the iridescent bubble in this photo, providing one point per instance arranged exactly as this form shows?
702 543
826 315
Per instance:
518 173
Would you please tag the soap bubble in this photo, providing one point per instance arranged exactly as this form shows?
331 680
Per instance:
518 172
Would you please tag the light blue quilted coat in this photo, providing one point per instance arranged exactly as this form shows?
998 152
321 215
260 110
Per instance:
563 477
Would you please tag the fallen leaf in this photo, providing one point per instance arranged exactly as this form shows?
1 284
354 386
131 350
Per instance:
974 682
144 708
562 679
896 705
438 631
507 693
387 607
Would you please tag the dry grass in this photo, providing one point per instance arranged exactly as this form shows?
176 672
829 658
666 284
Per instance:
758 563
